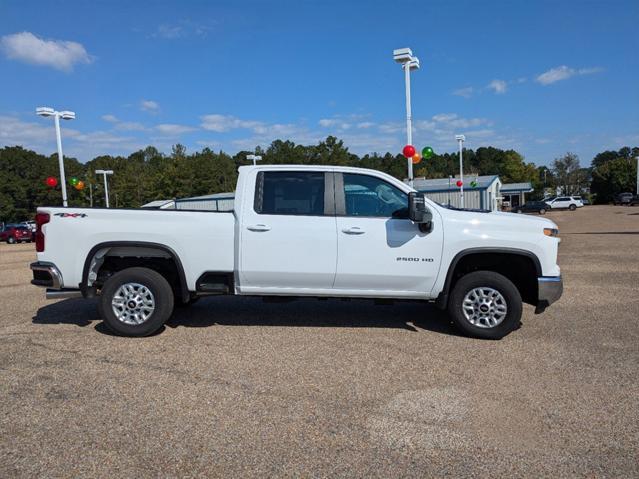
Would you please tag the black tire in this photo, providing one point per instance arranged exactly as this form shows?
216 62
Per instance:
155 283
487 279
542 211
11 240
572 207
519 211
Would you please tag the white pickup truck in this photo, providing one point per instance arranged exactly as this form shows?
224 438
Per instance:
319 231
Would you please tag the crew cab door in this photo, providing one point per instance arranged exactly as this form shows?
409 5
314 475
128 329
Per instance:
381 251
288 239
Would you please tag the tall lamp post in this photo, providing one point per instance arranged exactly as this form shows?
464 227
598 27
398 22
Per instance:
65 115
104 174
461 139
637 190
255 158
405 57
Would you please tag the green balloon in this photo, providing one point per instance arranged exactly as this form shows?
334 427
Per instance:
473 183
427 152
73 180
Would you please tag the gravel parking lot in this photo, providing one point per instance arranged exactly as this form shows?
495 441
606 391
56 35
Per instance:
237 387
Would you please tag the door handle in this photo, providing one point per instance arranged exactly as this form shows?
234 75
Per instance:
354 230
259 227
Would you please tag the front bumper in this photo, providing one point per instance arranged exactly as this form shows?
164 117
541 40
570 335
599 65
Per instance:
46 275
549 289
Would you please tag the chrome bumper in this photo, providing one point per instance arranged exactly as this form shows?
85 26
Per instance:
46 275
549 290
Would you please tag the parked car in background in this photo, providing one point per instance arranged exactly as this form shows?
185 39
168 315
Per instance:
532 207
623 198
16 234
585 201
564 202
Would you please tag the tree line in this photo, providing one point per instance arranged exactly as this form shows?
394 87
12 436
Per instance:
148 174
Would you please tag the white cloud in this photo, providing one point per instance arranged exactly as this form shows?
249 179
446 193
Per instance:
365 124
110 118
499 86
328 122
564 72
123 125
466 92
181 29
170 31
149 106
223 123
58 54
171 129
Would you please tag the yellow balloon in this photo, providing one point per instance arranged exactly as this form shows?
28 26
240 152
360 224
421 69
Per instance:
416 158
79 185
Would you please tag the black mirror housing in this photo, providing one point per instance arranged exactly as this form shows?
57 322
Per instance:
418 212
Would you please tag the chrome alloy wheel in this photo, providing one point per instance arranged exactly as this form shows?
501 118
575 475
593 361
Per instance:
133 303
484 307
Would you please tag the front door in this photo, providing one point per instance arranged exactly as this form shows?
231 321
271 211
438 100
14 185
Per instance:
288 240
382 252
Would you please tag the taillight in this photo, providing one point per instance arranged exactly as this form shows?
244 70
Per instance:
40 219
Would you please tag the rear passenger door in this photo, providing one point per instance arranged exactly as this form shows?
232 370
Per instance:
288 239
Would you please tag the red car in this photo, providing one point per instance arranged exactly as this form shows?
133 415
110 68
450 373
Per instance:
16 234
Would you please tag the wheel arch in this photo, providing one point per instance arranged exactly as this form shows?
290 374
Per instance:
442 298
88 291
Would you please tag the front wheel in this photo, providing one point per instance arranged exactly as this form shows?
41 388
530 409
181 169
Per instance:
136 302
485 305
11 240
542 211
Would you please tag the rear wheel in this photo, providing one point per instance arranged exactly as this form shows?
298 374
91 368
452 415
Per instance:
542 211
572 207
136 302
485 305
11 240
519 211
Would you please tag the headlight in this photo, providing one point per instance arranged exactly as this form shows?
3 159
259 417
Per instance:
551 232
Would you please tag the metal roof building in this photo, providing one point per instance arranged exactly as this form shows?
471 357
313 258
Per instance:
514 194
485 195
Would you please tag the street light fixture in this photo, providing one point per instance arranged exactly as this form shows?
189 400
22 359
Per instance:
409 62
65 115
104 174
461 139
255 158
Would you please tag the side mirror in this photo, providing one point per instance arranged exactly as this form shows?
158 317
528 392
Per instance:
418 212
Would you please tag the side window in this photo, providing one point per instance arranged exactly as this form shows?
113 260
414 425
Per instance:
289 193
370 196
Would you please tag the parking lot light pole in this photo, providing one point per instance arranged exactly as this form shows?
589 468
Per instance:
461 139
255 158
65 115
637 189
104 174
405 57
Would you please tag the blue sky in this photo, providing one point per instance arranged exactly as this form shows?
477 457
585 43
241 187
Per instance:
543 77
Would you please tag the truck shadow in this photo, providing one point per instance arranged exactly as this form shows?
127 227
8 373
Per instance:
236 311
313 313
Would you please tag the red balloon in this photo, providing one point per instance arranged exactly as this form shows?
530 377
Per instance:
459 183
408 151
52 181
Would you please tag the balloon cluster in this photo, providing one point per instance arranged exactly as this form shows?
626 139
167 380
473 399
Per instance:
77 184
409 151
